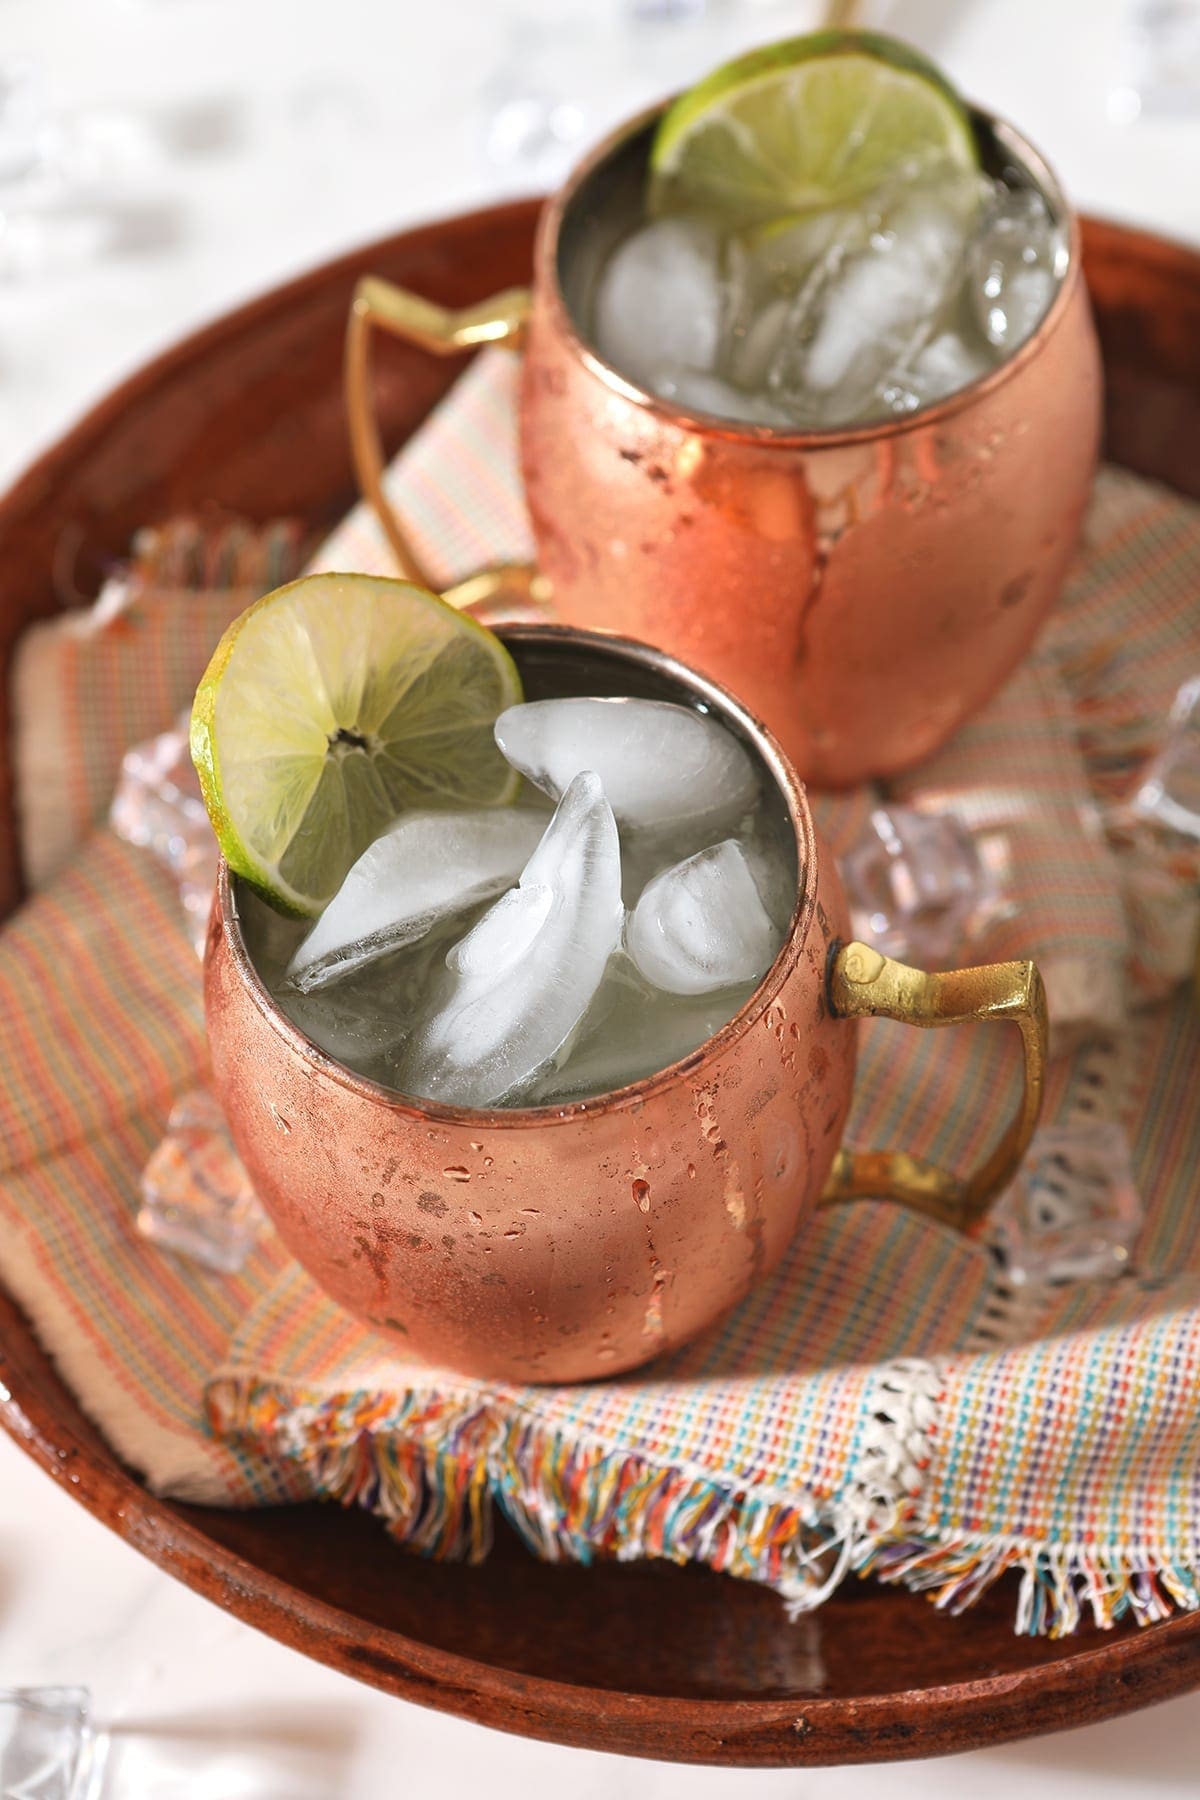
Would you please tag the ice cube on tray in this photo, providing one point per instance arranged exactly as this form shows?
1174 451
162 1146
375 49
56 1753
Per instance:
874 308
660 300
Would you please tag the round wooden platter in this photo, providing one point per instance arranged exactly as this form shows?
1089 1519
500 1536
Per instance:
246 418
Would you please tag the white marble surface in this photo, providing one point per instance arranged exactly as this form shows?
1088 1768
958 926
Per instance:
275 133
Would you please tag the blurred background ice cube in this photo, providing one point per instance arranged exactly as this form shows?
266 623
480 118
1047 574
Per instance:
1014 263
874 306
661 766
659 301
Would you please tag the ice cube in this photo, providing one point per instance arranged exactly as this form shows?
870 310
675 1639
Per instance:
917 884
49 1749
781 257
1169 792
505 933
693 390
158 804
632 1030
753 345
428 866
1073 1212
702 925
1013 267
875 308
519 983
660 300
196 1196
661 766
769 847
946 364
774 278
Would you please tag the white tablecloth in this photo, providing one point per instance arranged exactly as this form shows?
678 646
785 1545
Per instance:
272 134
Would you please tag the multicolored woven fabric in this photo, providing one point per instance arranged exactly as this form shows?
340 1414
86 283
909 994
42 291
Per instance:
89 683
887 1402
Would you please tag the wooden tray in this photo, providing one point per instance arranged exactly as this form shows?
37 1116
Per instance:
683 1664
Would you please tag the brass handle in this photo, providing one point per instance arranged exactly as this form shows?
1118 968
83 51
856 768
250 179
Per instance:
863 984
443 331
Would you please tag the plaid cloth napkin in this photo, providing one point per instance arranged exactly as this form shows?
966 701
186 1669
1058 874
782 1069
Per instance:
888 1402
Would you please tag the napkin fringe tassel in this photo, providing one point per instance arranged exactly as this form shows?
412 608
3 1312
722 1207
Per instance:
433 1467
1060 1584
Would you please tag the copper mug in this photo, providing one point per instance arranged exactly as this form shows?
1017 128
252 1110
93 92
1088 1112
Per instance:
559 1243
864 590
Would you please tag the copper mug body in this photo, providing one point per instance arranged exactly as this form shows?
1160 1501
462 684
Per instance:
559 1243
863 590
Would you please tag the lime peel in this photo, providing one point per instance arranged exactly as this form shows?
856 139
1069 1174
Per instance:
810 122
331 705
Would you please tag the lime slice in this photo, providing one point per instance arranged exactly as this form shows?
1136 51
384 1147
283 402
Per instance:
330 706
812 122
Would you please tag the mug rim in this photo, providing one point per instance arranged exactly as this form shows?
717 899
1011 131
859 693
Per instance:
548 288
226 921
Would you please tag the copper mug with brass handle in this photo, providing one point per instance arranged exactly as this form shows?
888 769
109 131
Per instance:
864 590
561 1243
